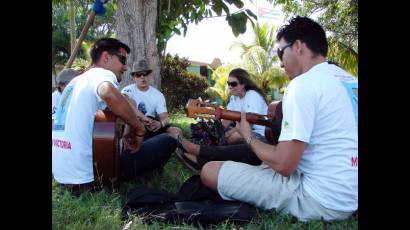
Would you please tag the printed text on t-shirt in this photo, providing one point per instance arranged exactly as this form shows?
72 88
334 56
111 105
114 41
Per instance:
61 144
355 161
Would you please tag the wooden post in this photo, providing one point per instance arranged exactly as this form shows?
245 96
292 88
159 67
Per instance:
87 25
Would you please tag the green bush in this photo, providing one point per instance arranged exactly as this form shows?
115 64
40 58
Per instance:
178 85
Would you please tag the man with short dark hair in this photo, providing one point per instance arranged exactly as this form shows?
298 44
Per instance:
72 132
312 173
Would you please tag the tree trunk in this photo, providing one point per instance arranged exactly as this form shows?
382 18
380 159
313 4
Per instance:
136 27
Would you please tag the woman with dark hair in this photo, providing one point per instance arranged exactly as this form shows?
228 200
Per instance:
248 97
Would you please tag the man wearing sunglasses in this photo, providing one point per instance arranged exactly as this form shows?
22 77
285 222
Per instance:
96 89
149 100
312 173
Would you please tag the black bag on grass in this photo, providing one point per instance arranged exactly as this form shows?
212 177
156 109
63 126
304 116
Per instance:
193 204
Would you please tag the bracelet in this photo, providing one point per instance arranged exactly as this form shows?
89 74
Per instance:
249 140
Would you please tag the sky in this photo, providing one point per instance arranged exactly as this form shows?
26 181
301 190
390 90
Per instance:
213 37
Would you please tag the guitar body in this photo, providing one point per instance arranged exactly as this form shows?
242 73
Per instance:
106 147
276 115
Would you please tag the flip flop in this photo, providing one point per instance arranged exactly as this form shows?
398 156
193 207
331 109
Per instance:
186 161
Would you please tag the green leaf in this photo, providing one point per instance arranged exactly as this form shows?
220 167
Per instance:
177 31
250 13
238 3
185 28
238 23
217 8
226 9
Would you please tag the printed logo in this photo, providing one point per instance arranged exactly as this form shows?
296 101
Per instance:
141 107
62 108
285 125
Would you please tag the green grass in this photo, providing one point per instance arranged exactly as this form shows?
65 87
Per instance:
102 209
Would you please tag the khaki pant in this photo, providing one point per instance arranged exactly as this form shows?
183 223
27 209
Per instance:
267 189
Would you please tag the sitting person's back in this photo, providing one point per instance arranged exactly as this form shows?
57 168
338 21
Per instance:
312 173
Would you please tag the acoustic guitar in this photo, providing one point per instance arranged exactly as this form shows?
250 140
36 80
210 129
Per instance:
107 146
196 108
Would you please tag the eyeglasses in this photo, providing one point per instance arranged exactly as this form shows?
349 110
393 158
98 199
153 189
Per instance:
122 59
232 83
140 74
282 49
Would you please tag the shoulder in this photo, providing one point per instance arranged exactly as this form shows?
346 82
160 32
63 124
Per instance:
300 89
232 98
55 93
98 75
155 91
343 75
253 95
128 88
97 71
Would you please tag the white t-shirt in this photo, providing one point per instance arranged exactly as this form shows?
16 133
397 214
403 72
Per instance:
317 110
73 127
55 99
252 102
150 102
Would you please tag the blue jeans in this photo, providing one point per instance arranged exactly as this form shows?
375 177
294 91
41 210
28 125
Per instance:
153 154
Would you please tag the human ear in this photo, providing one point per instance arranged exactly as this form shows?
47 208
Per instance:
105 56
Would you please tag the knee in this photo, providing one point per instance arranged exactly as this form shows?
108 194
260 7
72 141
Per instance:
164 137
175 131
209 174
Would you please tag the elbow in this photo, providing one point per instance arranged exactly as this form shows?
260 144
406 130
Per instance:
285 173
286 170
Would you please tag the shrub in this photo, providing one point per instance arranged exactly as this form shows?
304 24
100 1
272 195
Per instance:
178 85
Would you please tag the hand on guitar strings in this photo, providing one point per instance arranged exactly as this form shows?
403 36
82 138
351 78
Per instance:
133 139
230 131
244 127
152 124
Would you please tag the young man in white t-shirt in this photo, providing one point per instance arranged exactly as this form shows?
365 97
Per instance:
149 101
96 89
312 173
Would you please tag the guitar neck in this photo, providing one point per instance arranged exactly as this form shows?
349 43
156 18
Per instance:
252 118
196 108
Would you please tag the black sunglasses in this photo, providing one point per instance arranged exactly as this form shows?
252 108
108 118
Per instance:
282 49
232 83
140 74
122 59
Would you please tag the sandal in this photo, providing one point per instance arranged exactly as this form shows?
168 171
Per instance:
180 153
179 143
